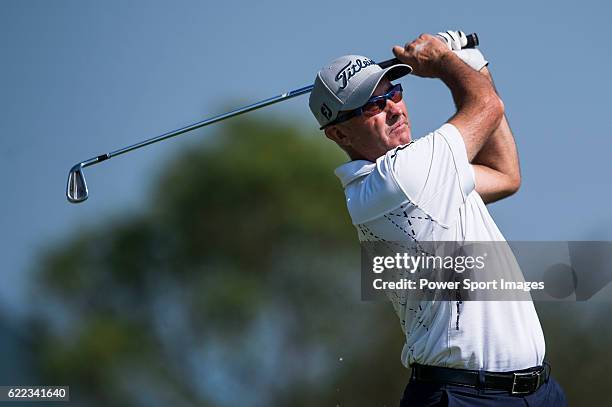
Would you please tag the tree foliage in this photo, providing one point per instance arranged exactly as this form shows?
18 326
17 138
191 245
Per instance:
238 286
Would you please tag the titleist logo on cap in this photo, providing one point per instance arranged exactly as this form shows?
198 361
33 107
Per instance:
350 69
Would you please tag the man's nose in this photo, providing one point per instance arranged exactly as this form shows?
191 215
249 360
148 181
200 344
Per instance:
393 109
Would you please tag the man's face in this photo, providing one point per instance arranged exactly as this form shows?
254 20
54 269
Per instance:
370 137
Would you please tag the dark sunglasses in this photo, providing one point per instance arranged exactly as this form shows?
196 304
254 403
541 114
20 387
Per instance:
373 106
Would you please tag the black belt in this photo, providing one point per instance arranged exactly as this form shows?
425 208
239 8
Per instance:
519 382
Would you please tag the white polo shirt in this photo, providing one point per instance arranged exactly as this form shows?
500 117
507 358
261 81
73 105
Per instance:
424 191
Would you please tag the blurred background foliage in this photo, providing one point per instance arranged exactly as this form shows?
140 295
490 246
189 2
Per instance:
239 286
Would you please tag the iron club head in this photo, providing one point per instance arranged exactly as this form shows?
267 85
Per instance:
76 190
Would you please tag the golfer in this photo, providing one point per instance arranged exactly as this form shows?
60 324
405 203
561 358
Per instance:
471 353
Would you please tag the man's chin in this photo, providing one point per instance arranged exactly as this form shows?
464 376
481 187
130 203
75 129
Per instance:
400 135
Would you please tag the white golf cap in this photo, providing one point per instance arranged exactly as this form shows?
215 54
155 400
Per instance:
347 83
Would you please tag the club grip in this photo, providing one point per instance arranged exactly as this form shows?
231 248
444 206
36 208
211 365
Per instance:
472 42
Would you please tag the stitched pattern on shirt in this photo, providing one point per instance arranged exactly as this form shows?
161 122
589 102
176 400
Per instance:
420 317
411 234
365 234
405 215
400 148
459 302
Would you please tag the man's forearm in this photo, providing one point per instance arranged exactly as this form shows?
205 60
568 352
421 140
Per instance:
478 106
496 164
499 152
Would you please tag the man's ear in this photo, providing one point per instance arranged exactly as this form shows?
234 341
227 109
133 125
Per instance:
336 134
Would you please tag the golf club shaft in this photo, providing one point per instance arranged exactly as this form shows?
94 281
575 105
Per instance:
206 122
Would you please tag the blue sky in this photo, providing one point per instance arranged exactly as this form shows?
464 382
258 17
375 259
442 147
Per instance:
80 78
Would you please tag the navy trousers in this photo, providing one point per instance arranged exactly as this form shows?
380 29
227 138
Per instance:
421 394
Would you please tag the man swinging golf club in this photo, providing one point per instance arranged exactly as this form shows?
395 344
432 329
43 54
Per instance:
475 353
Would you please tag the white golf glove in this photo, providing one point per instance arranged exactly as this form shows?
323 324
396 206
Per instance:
454 39
471 56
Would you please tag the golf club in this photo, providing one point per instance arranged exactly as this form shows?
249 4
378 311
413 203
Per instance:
76 189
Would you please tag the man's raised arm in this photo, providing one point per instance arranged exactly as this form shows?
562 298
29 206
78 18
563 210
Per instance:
496 165
479 109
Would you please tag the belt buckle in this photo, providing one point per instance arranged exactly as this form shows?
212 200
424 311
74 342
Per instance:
538 374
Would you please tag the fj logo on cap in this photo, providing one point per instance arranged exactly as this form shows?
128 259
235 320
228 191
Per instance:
325 111
349 70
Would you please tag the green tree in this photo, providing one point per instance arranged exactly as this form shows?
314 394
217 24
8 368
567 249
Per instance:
238 286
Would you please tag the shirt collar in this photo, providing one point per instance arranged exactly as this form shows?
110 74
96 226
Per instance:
350 171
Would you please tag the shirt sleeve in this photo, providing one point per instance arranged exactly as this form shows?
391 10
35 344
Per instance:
434 172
